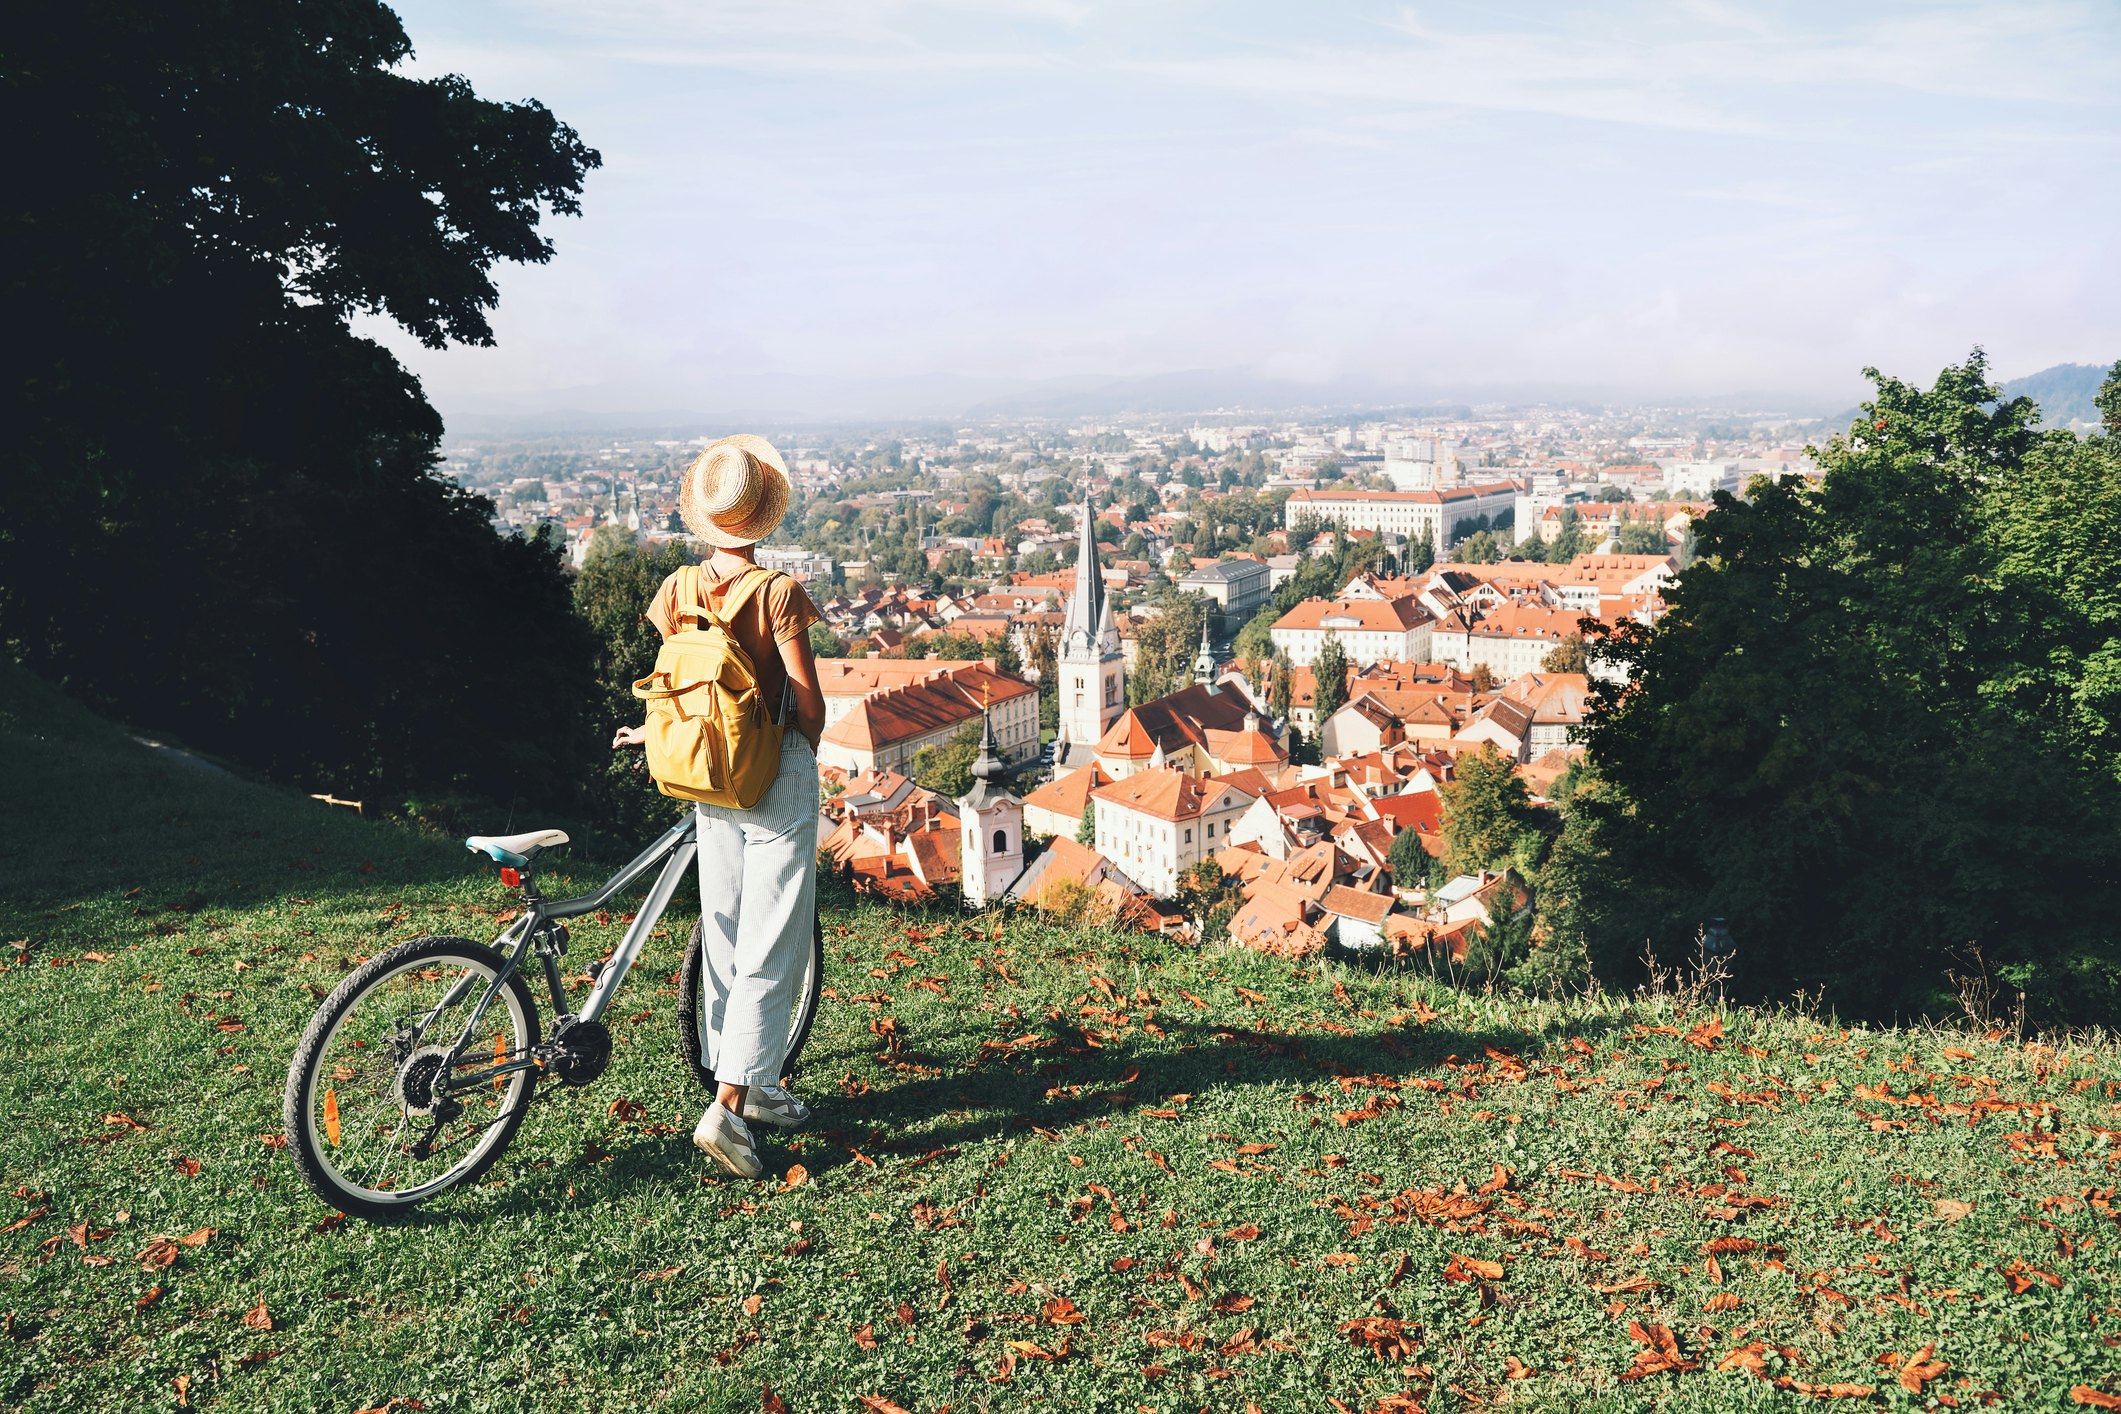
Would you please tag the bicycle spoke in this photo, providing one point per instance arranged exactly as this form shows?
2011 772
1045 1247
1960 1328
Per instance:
416 1112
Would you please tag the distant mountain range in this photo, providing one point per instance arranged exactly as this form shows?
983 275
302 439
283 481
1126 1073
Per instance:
788 401
2064 394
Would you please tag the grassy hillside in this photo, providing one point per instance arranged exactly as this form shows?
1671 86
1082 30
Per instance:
1051 1168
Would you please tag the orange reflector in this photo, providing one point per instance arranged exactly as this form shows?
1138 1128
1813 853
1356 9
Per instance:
331 1116
511 878
500 1054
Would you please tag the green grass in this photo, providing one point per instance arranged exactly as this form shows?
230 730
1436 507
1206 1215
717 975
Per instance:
1053 1123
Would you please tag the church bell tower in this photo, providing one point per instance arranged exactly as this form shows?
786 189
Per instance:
1093 675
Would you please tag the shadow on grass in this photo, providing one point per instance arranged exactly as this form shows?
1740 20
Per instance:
1063 1083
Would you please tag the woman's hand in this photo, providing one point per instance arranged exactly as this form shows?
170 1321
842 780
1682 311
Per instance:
628 736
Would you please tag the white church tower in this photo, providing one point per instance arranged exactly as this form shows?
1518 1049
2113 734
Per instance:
1093 675
990 847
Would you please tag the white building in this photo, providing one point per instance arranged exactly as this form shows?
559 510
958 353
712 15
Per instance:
1157 824
1435 517
1368 630
1697 481
805 566
1511 639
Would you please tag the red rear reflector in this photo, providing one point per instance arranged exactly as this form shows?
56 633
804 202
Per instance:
511 878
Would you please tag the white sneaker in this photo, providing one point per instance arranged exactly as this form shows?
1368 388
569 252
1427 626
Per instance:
727 1140
771 1104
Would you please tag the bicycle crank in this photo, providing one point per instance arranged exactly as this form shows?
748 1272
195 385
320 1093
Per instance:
578 1051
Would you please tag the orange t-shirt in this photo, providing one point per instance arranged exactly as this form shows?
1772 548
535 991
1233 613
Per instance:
774 613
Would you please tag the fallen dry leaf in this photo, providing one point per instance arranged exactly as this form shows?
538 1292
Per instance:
1919 1369
2096 1399
1387 1337
1951 1209
158 1254
257 1317
1475 1266
1660 1353
1060 1311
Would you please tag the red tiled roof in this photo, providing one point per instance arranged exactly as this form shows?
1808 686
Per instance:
1419 810
1426 498
916 709
1174 722
1355 615
1354 903
1166 793
1068 793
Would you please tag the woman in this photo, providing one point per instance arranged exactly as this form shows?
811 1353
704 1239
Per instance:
758 867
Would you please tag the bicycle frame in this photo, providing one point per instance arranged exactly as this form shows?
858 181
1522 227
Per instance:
675 850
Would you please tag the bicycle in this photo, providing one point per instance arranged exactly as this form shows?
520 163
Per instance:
412 1039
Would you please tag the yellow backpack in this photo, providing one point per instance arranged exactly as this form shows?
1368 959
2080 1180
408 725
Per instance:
709 736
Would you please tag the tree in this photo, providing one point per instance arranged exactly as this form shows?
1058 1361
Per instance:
1479 548
1330 673
1086 828
1281 686
1482 677
1210 898
946 767
1254 643
1408 860
1164 648
1643 537
824 643
1486 812
205 196
616 583
1891 694
1566 657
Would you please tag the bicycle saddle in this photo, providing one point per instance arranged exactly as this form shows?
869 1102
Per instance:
515 850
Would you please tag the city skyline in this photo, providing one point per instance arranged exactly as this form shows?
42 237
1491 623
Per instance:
880 209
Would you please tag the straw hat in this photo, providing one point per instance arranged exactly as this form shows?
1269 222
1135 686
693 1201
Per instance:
735 492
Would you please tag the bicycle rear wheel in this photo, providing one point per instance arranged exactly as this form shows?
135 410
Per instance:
691 1001
364 1124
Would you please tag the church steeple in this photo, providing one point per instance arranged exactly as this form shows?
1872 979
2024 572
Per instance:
1093 674
987 767
1204 661
1089 619
991 826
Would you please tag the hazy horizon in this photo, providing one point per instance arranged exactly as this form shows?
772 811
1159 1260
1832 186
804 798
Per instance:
869 208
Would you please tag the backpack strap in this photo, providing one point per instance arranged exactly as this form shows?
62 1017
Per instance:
750 582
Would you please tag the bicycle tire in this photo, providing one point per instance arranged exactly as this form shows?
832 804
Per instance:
690 1049
301 1077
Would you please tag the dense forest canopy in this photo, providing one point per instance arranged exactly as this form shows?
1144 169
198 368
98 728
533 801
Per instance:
1880 728
225 520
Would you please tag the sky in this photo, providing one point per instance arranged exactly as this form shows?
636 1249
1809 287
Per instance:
870 206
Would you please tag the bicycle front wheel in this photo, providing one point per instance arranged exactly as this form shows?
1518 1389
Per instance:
692 1002
387 1102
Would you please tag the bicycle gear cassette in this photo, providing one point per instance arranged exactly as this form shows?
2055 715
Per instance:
413 1086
